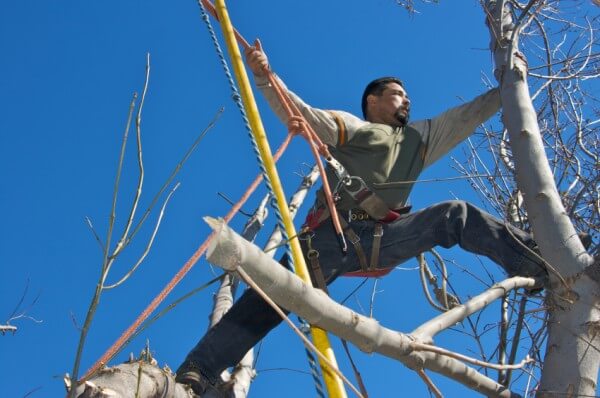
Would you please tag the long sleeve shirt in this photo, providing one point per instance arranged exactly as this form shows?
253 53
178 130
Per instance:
385 156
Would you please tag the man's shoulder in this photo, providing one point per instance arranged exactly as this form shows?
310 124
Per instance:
346 116
421 126
351 121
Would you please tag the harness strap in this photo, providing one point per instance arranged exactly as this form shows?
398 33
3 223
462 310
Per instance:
315 266
355 240
377 234
342 137
316 271
369 201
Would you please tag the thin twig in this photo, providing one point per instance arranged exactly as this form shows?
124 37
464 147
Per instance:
516 338
503 335
138 192
432 387
174 173
392 184
438 350
231 202
21 299
353 292
149 245
96 236
113 210
372 301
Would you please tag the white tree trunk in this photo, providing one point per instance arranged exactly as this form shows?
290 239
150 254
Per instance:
572 357
133 379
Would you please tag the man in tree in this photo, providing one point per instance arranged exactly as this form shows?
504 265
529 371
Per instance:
387 153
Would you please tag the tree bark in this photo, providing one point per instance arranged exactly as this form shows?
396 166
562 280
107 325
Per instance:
572 357
133 379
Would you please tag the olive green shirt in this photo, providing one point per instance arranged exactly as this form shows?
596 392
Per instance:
388 158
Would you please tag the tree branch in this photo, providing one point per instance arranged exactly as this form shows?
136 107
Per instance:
231 251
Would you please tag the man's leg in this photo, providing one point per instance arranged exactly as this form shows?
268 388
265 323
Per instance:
246 323
457 222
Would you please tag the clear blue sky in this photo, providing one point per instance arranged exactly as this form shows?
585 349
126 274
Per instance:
67 75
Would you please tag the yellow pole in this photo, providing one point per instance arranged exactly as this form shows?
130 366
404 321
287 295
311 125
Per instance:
333 383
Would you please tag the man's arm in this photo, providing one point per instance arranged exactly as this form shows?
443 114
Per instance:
320 120
445 131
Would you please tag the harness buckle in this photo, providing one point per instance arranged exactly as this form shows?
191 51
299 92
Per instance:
357 215
361 188
340 171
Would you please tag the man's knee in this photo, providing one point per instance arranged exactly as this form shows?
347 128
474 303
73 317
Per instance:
453 205
463 210
455 209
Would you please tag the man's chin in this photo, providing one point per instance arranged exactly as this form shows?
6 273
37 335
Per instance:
402 118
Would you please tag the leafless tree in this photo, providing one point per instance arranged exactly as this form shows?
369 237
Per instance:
541 175
541 172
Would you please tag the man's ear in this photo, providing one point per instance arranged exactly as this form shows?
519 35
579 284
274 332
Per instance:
371 99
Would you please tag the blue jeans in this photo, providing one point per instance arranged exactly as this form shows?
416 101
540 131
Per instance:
444 224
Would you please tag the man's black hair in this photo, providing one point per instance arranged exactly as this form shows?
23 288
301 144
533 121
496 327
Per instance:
376 87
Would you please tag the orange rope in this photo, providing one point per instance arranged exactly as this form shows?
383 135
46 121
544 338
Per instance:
316 145
117 345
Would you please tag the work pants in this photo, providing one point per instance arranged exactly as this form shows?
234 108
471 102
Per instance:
444 224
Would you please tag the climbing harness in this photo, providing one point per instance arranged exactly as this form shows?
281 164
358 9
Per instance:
378 212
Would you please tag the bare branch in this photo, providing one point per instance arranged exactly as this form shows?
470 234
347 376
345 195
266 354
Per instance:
88 221
432 387
230 251
174 173
429 329
7 329
451 354
138 191
148 246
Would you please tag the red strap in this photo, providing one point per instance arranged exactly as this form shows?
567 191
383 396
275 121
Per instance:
313 219
391 216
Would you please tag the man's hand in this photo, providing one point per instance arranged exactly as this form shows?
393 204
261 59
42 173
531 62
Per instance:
257 59
296 125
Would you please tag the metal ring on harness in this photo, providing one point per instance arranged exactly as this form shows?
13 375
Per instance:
306 234
350 181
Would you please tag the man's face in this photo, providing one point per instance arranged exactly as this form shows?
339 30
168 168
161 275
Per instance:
392 107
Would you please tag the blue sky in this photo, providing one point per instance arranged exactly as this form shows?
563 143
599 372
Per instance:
67 75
